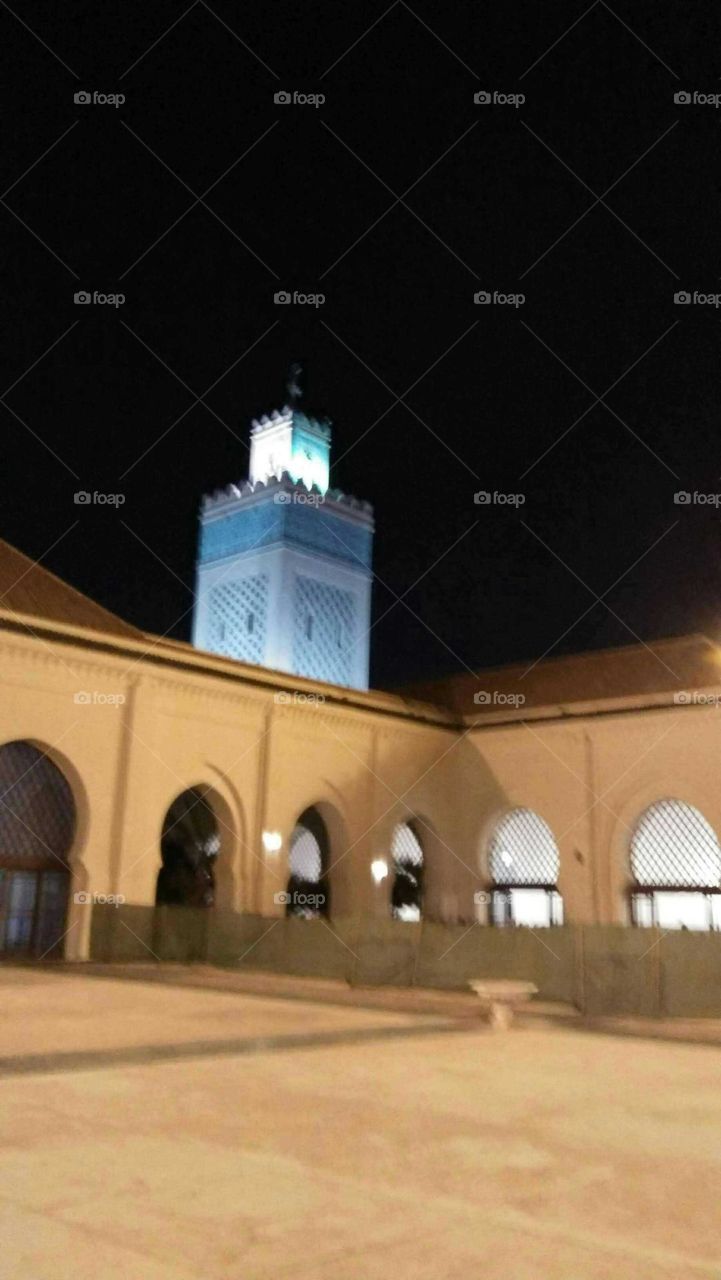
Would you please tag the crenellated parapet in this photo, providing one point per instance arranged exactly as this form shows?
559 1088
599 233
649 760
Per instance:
234 493
287 417
244 516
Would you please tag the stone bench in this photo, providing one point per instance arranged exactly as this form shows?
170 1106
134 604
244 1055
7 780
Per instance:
500 998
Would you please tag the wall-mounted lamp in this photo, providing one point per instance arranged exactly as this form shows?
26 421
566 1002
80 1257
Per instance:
272 841
379 870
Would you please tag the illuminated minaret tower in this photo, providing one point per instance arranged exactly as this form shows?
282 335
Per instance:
284 562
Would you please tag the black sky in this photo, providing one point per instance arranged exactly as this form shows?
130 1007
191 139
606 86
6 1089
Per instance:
490 188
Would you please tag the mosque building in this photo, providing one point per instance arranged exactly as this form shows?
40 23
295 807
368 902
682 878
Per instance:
247 799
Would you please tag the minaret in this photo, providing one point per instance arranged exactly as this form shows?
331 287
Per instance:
284 561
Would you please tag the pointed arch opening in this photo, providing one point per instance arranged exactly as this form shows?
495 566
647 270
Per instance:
407 865
524 864
675 861
307 892
190 843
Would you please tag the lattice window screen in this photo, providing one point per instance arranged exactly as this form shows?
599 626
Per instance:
37 811
523 850
405 846
673 844
305 856
238 618
326 654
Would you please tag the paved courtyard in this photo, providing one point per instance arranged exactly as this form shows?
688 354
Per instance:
162 1132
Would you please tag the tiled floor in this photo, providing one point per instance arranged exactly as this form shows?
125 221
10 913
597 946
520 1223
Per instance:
424 1153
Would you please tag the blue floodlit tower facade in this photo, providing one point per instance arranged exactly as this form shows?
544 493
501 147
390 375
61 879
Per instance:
284 561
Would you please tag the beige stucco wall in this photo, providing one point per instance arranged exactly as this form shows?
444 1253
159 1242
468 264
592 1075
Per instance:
591 778
366 767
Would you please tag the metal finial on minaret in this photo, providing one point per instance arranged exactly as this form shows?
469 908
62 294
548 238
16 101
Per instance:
294 385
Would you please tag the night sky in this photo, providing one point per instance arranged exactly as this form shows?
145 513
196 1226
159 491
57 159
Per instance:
398 199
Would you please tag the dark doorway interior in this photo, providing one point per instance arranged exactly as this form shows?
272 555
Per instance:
189 846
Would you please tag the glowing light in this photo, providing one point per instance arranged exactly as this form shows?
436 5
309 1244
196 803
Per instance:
291 443
379 870
408 913
310 465
272 841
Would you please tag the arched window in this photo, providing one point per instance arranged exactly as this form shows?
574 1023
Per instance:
189 846
524 864
37 826
676 868
407 886
307 891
